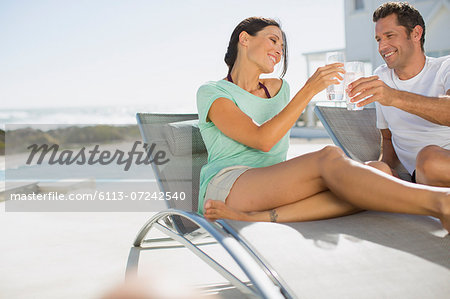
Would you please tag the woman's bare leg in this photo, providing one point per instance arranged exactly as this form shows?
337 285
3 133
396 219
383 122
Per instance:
261 189
271 187
381 166
323 205
371 189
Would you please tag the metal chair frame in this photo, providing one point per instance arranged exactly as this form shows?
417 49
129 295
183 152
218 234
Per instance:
264 282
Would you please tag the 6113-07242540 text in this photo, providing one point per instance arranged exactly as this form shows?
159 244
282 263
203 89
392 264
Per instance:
101 196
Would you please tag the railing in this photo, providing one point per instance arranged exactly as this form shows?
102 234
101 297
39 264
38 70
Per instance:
309 119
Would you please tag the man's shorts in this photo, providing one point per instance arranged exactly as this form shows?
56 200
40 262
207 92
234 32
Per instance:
413 177
220 185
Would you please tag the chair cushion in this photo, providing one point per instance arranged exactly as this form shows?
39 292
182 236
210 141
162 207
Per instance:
184 138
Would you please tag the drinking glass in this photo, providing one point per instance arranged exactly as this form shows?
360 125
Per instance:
335 92
353 71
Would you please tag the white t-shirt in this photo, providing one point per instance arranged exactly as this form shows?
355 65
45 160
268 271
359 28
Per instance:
411 133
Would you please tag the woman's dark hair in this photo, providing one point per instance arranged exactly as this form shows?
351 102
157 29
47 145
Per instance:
252 26
407 16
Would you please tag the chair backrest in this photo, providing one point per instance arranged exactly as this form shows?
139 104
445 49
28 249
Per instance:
356 133
178 136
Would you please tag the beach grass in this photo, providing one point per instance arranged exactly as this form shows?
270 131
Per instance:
2 142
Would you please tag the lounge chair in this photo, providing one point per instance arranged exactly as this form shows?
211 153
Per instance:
367 255
355 132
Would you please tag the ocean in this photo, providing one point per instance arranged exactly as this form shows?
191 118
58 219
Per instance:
84 115
59 117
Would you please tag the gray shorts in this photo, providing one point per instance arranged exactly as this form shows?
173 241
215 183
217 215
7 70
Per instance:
220 185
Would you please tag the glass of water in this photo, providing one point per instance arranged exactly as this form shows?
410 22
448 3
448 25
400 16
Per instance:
335 92
353 71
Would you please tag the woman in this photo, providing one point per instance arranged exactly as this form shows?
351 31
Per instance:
245 122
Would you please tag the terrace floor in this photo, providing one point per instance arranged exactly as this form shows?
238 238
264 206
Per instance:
83 255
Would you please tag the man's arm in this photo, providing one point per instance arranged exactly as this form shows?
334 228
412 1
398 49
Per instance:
434 109
388 154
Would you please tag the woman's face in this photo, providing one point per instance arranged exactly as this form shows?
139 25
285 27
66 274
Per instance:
266 48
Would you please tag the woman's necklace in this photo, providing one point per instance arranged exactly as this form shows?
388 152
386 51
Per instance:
260 85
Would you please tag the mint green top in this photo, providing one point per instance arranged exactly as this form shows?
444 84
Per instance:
224 151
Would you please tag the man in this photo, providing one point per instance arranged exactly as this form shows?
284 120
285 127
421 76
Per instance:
413 96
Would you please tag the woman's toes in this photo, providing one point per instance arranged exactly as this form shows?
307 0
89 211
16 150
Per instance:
217 204
207 204
216 209
213 204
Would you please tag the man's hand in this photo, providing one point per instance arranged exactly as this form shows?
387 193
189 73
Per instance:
433 109
374 89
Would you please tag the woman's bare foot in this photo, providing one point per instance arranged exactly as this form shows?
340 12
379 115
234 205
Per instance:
215 209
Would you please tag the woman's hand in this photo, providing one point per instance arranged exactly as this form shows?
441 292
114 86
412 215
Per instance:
325 76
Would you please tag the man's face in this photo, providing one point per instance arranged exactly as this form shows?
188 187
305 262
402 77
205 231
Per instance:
394 43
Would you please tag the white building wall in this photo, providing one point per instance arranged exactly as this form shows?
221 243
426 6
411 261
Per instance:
357 32
437 38
361 44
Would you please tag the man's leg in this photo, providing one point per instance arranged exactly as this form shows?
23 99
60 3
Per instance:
433 166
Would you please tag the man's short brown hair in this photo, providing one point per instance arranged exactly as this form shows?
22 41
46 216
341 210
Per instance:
407 16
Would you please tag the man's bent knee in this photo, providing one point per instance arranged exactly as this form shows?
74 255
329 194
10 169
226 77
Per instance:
428 159
428 152
432 165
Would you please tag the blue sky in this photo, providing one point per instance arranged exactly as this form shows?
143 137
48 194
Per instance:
107 52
